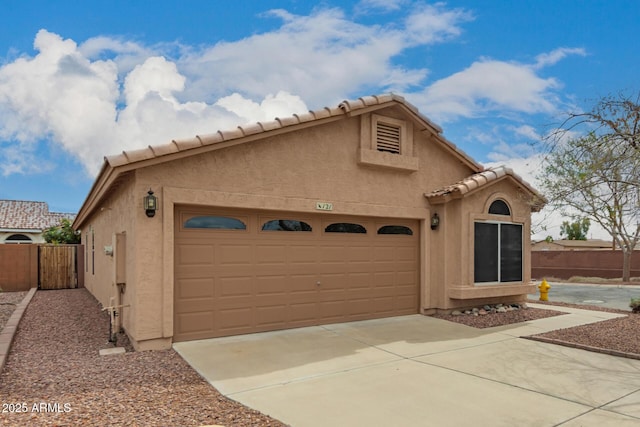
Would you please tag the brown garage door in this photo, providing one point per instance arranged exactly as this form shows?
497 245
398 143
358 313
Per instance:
240 272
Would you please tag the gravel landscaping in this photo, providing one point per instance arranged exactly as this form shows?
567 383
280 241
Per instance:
55 376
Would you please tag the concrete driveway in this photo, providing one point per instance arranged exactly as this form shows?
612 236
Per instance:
417 370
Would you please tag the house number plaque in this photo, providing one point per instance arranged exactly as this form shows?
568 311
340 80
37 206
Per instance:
324 206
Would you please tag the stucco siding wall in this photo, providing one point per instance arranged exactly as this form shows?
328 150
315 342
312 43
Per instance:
115 215
317 163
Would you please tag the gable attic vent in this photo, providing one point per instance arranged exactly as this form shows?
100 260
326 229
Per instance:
388 138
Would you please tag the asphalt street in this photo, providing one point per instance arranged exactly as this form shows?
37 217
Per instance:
610 296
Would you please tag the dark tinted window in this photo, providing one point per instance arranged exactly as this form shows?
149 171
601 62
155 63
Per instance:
216 222
18 238
345 227
485 253
510 252
395 229
499 207
497 252
286 225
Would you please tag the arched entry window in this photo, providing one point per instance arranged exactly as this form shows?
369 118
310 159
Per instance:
499 207
18 238
498 247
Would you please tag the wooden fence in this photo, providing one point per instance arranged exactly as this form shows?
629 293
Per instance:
44 266
566 264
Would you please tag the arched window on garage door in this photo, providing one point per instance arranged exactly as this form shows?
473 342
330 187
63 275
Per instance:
286 225
395 229
215 222
345 227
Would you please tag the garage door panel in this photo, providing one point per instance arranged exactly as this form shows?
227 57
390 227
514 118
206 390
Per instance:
333 310
303 254
407 304
406 278
195 288
359 253
405 254
190 255
271 285
383 278
273 316
194 323
236 255
303 312
332 254
233 282
360 280
196 305
271 254
302 283
234 286
235 318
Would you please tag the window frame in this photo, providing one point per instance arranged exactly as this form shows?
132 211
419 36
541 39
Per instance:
380 227
270 220
343 233
499 254
186 218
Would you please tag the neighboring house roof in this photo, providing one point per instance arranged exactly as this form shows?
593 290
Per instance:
481 179
20 215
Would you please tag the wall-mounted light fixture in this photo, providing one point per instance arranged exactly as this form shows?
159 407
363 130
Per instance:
150 204
435 221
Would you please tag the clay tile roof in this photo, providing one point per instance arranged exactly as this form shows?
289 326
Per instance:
26 215
348 106
211 138
481 179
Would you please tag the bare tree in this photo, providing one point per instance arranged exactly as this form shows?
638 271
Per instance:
614 119
597 177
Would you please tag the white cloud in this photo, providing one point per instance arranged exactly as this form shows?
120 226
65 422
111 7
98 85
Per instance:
551 58
434 23
490 87
379 5
487 87
108 94
63 96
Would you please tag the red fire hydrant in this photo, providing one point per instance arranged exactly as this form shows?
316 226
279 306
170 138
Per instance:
544 290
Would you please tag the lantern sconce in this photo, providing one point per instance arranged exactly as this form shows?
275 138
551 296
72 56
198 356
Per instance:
435 221
150 204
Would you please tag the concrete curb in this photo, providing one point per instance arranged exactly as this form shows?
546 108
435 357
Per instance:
583 347
9 331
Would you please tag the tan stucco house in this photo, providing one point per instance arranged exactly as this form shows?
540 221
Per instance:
348 213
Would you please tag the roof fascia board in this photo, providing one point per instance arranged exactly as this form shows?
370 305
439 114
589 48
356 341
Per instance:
222 144
459 195
105 179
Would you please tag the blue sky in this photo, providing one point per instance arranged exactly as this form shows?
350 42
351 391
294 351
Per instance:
81 80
